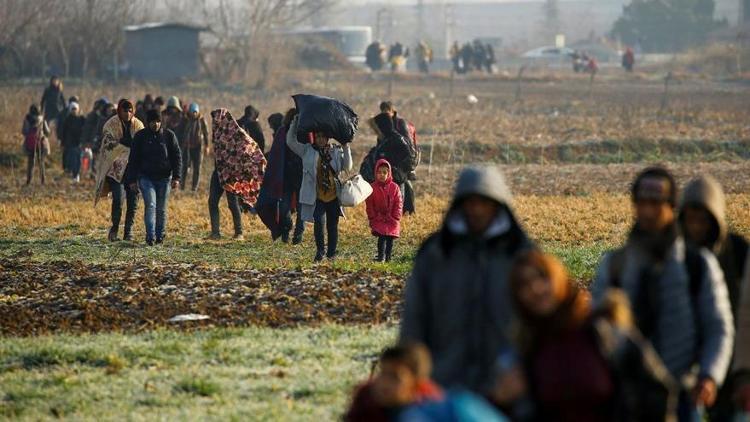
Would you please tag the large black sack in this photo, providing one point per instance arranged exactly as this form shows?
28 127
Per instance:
323 114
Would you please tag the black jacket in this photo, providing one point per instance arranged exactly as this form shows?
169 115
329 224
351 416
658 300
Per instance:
155 155
72 131
252 127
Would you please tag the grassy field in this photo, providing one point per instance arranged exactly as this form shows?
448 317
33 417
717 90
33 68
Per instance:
84 321
219 374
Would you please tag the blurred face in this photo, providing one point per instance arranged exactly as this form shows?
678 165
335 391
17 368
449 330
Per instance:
193 114
395 385
125 113
383 173
653 216
698 225
479 212
536 293
75 111
320 140
154 125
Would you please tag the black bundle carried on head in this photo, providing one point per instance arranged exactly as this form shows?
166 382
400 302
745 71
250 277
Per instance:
332 117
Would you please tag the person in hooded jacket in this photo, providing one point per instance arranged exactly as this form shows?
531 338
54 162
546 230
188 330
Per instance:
195 139
577 363
457 299
679 299
249 122
393 147
702 219
409 133
384 209
322 162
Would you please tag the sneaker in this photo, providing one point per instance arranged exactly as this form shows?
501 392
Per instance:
149 242
159 240
127 237
297 239
77 179
112 236
318 257
379 259
238 237
331 257
214 236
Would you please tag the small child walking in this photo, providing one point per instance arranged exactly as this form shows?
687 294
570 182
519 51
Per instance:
384 210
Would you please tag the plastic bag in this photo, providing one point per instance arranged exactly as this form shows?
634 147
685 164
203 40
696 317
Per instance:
322 114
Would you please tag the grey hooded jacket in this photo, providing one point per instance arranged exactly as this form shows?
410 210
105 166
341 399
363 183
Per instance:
685 341
457 299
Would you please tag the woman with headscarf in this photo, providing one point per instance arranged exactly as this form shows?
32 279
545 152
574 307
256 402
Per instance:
35 132
580 364
322 162
111 163
239 169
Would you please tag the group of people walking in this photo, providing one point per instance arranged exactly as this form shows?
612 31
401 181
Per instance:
663 335
473 56
146 149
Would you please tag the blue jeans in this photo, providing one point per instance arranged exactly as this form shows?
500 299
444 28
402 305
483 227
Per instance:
326 213
155 194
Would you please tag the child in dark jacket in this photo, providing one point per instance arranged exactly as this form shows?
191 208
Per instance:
384 210
403 380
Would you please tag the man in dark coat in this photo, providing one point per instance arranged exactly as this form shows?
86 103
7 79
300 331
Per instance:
249 122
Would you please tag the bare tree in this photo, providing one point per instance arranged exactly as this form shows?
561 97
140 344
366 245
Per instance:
245 35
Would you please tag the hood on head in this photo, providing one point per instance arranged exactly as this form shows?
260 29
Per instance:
486 181
706 192
384 162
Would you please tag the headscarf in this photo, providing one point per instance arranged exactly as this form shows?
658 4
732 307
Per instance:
113 156
574 305
239 162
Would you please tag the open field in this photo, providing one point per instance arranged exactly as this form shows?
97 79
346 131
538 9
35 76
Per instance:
84 321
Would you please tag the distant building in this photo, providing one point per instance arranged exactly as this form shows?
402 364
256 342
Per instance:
162 51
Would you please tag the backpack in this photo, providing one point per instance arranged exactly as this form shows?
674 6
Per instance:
644 312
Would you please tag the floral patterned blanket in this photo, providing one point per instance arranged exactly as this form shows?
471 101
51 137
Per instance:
239 161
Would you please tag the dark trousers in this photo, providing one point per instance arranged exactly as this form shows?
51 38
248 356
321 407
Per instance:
385 247
73 160
131 197
192 158
285 209
214 195
326 213
34 157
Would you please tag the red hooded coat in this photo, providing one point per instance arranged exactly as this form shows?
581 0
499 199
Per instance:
385 206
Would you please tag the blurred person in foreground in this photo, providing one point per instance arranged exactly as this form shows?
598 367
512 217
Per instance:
111 162
677 292
576 363
703 222
457 298
402 380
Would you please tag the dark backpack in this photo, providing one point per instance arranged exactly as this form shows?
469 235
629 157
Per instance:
643 303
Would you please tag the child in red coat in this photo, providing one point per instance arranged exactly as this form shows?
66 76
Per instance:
384 209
